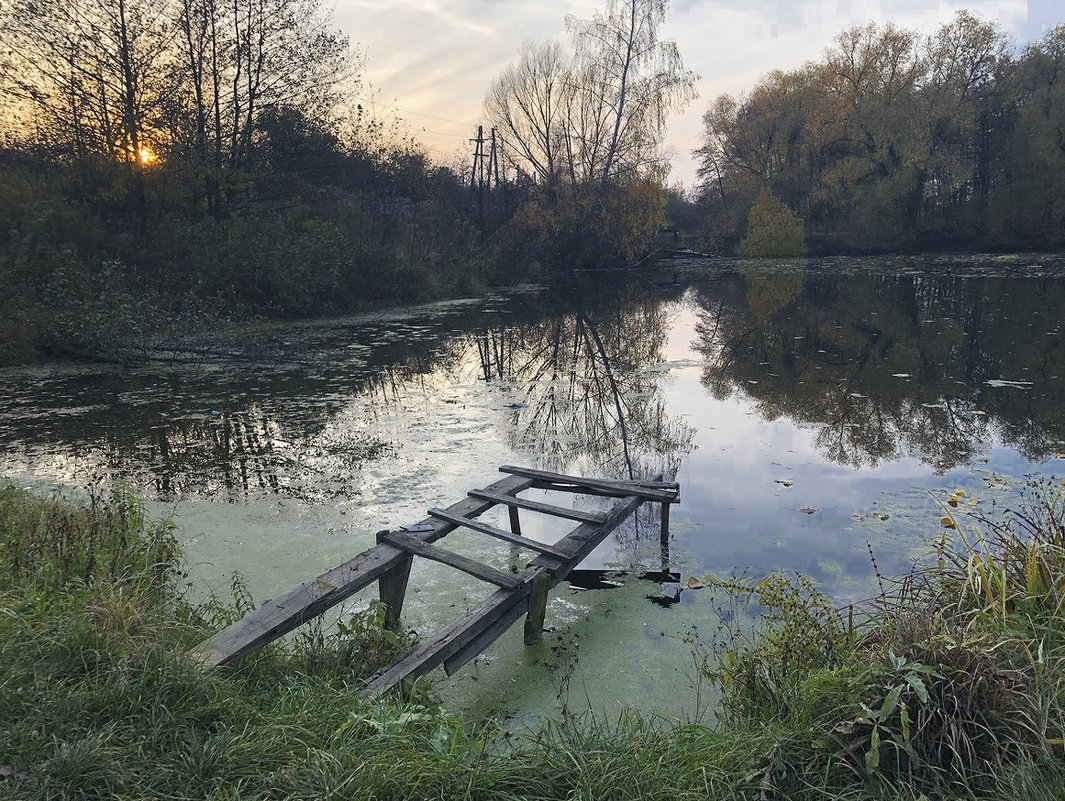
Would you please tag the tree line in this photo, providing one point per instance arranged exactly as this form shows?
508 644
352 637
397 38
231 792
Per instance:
896 141
168 162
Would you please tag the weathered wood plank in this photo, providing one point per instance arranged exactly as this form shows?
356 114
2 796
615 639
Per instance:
411 543
664 492
583 539
484 637
281 615
581 515
498 533
433 651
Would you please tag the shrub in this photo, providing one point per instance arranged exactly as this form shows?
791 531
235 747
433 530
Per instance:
772 229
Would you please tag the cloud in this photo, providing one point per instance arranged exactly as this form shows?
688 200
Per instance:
452 14
438 57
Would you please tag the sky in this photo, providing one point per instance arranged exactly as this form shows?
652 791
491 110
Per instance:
430 62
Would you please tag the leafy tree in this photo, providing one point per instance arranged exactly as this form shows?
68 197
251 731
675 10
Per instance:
1028 202
894 140
772 229
634 80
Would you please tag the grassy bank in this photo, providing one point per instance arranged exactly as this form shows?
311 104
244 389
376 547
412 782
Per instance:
951 688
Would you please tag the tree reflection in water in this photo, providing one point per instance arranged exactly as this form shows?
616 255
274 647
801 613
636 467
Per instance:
588 399
327 401
889 365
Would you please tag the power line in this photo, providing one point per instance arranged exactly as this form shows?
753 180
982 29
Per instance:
372 103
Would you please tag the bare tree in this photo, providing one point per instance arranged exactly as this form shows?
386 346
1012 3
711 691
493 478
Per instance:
635 77
528 102
599 115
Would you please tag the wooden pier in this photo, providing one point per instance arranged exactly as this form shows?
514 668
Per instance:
389 563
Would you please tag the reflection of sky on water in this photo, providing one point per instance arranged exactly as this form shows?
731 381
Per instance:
284 466
737 515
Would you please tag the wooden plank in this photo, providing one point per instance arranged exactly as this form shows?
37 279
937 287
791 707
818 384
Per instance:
583 539
485 637
434 650
281 615
535 506
498 533
475 631
664 492
409 542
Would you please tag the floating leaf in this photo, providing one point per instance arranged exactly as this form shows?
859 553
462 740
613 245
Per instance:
880 516
952 501
695 584
947 522
959 493
784 482
856 516
808 510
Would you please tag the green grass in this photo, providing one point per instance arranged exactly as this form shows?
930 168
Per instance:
937 692
949 684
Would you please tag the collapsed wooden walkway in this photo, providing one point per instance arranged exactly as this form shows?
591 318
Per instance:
389 563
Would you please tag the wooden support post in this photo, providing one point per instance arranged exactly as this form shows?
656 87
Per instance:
534 621
392 586
515 524
663 536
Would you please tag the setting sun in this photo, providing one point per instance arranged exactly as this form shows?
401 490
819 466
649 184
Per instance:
145 156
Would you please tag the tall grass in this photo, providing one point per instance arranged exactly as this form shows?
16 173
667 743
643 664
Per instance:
949 684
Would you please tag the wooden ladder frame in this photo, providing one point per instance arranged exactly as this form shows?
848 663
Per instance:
389 563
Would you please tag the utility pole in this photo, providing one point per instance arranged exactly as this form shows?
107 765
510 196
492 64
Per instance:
493 160
477 175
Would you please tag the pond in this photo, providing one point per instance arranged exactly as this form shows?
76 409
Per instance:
811 410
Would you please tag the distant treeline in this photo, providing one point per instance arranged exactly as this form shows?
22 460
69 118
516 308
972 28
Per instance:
170 164
897 141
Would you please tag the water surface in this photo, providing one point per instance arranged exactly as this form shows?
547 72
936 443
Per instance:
809 409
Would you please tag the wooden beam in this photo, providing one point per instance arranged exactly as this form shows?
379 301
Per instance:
535 506
498 533
433 651
666 492
305 602
484 637
409 542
